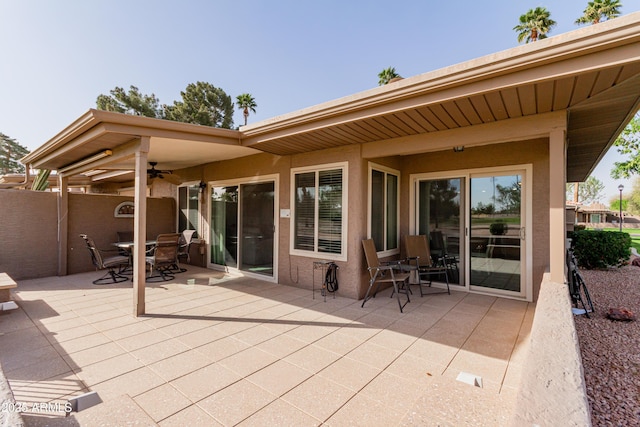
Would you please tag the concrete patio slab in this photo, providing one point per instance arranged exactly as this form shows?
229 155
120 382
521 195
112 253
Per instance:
240 351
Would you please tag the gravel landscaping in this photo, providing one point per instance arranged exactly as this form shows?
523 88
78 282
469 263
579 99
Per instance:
611 349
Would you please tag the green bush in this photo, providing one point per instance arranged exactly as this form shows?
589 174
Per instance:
600 249
498 228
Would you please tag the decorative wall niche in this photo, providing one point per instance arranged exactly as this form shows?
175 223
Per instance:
124 210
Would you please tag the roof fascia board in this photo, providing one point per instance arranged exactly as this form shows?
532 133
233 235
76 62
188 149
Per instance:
135 125
606 35
62 149
79 126
125 129
509 130
573 66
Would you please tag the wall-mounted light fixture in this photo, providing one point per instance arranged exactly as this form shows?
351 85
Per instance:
458 149
85 161
202 186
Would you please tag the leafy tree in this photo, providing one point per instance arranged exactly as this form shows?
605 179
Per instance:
509 197
600 10
534 25
10 154
204 104
386 75
589 192
630 202
628 143
246 103
481 208
444 202
132 102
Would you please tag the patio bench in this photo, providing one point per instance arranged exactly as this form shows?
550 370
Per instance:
6 284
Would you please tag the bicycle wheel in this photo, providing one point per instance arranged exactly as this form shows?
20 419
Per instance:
583 294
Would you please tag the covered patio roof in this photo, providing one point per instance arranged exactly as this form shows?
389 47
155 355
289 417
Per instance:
592 73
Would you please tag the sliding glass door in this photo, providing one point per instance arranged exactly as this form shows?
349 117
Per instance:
476 224
439 216
243 227
496 232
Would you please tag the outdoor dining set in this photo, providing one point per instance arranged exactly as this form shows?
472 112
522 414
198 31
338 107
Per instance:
162 259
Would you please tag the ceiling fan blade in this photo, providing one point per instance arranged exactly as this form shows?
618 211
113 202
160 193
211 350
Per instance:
172 178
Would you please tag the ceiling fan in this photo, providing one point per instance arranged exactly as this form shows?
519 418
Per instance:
154 173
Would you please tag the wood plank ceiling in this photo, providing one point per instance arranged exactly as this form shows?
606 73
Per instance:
563 93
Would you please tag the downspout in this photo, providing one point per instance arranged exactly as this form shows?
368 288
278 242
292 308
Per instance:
25 182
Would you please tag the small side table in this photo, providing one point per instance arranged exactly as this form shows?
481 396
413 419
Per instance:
322 266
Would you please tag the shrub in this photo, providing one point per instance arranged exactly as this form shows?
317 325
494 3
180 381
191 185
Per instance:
498 228
600 249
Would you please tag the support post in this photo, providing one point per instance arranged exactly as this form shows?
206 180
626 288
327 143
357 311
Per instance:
557 195
63 223
140 226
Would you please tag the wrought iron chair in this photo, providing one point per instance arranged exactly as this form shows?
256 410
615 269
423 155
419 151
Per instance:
164 257
184 246
419 260
113 264
384 273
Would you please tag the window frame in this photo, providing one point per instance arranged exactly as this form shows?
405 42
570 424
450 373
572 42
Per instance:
342 256
384 252
198 225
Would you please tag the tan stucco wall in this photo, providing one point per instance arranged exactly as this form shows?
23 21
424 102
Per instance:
29 234
93 214
534 152
298 270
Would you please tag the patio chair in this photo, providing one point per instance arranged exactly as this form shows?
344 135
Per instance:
384 273
419 260
111 264
164 257
440 251
184 246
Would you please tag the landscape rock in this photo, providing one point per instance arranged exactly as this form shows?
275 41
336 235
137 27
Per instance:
621 314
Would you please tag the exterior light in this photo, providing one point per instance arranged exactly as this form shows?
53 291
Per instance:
620 188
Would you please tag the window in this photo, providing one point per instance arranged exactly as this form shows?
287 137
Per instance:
383 208
188 204
319 211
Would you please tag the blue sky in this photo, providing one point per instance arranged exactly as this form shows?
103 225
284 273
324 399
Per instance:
58 56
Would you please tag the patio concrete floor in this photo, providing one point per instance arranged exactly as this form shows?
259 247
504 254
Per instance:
240 351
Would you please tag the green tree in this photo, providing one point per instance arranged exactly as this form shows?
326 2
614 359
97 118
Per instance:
386 75
630 200
508 198
246 103
589 191
203 104
599 10
628 143
132 102
534 25
10 154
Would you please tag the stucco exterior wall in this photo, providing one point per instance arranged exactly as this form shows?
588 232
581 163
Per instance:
298 270
534 152
93 214
29 234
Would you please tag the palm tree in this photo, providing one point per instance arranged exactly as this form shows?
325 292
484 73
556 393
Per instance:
246 103
600 10
386 75
534 25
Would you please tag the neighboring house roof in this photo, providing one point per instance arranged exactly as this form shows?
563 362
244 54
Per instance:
592 74
594 208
